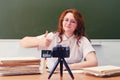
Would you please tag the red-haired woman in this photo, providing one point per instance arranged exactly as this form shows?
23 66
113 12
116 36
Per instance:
70 32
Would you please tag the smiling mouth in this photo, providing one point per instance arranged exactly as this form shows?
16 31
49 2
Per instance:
68 26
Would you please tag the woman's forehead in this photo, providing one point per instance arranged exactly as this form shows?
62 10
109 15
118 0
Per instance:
69 15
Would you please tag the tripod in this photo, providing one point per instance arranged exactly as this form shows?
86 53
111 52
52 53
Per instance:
62 61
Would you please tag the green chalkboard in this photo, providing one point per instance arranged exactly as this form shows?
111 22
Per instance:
19 18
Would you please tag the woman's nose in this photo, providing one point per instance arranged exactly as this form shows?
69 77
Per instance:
69 22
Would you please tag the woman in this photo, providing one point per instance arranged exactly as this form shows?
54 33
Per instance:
70 32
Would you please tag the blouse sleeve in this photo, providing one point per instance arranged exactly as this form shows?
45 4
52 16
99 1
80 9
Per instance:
86 47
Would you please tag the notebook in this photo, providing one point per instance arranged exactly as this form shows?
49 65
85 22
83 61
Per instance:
107 70
20 66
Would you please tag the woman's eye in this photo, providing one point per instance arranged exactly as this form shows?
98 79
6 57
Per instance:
66 20
72 21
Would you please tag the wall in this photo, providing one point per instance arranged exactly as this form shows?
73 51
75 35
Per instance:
12 48
108 51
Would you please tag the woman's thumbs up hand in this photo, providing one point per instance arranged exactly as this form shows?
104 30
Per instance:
45 41
46 33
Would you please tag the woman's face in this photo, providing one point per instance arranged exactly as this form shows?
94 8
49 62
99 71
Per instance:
69 23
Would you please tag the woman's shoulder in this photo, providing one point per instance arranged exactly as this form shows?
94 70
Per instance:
52 35
84 39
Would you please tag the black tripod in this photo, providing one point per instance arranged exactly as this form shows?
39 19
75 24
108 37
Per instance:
62 61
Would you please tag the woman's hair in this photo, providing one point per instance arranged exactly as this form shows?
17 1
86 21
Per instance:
80 29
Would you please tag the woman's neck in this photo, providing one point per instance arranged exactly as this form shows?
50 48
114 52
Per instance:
68 35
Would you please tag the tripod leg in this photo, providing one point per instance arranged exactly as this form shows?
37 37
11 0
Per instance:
68 69
61 67
55 66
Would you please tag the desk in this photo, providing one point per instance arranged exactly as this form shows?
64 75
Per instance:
56 76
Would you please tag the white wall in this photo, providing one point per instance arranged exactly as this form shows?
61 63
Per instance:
12 48
107 50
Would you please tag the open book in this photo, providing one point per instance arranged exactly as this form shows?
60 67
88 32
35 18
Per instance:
107 70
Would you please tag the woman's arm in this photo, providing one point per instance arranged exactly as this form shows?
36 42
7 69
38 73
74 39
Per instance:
29 42
91 61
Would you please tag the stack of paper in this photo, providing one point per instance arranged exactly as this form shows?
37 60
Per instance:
19 65
103 70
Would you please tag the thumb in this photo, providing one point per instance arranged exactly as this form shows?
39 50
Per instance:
46 33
